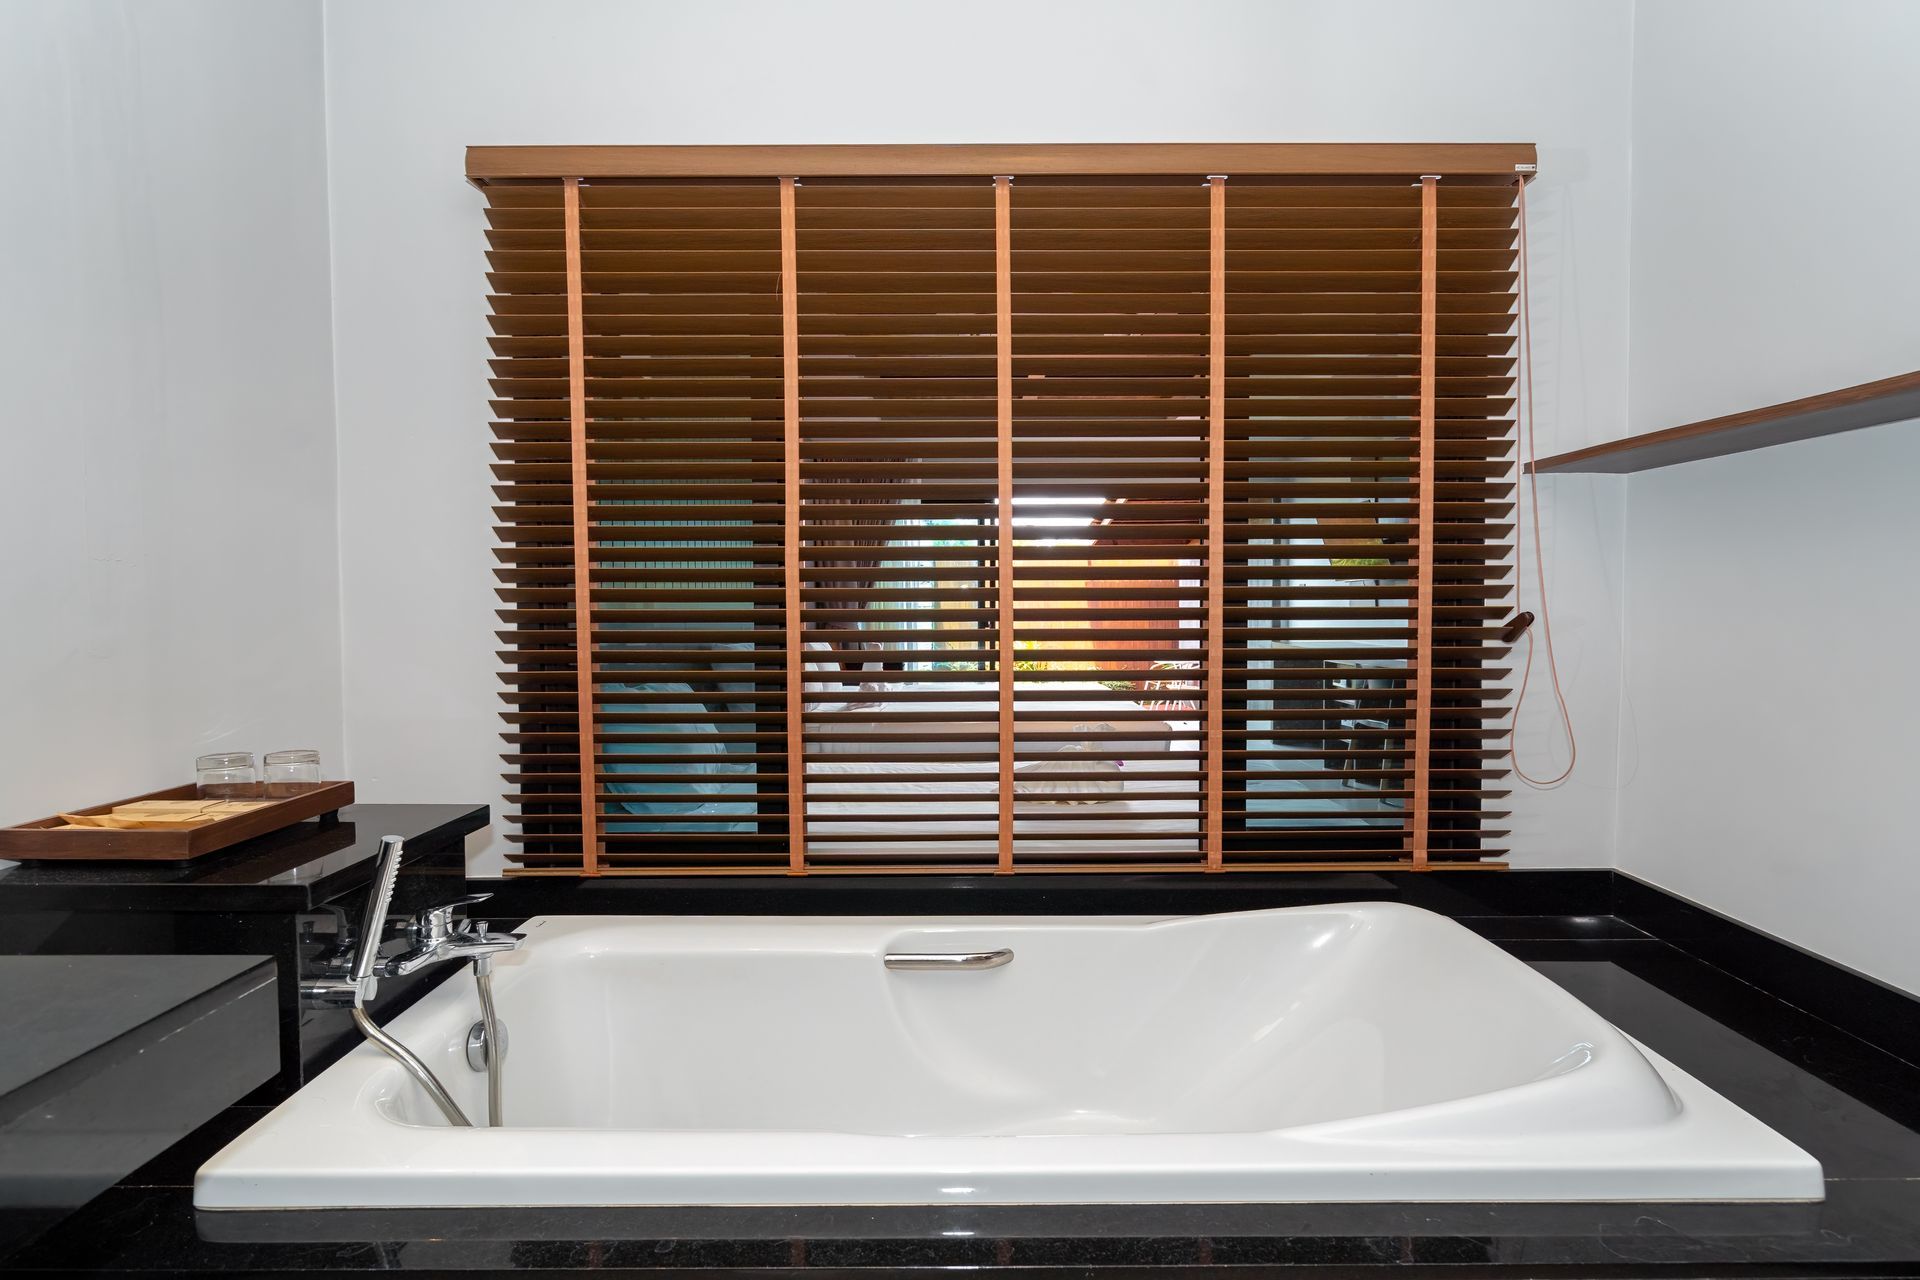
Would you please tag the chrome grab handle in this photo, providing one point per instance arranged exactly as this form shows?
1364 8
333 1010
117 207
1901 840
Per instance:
949 959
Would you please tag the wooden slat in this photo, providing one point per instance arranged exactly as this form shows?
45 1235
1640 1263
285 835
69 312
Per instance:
1003 464
1421 816
1214 673
1493 161
871 450
790 545
582 547
545 726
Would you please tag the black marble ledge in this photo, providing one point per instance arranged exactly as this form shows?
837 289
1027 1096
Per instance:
1879 1014
1554 892
296 869
106 1061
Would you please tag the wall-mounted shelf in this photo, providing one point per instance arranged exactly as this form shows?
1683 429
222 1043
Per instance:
1871 404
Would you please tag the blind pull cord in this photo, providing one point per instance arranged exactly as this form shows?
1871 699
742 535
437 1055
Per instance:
1539 564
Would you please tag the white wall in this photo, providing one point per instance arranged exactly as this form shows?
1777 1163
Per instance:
409 86
1768 769
1767 758
1774 197
168 560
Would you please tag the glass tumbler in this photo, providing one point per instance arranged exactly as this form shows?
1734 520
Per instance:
291 772
226 775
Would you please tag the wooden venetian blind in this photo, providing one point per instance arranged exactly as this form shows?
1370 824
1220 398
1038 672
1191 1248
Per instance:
1002 509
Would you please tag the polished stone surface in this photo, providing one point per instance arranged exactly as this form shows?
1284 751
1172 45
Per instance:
1854 1106
58 1009
106 1061
1878 1013
1547 892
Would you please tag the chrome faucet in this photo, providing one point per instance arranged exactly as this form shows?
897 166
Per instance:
436 936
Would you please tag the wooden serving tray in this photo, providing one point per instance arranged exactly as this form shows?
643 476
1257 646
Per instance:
34 842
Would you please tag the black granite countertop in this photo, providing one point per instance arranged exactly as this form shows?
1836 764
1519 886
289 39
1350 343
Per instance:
293 869
57 1009
106 1061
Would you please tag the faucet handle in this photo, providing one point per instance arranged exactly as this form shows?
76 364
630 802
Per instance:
436 924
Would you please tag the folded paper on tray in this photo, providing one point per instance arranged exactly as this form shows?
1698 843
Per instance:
158 815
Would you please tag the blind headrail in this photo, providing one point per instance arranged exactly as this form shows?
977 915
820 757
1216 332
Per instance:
1457 160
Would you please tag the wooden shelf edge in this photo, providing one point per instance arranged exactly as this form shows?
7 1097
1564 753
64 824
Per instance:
1871 404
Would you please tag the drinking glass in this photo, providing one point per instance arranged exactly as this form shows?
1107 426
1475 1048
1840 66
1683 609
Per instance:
290 772
225 775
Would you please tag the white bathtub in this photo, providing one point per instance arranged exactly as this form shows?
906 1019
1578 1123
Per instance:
1348 1053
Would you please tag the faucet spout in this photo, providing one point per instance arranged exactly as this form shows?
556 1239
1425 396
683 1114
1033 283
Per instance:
438 936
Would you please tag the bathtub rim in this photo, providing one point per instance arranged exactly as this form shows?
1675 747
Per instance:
1661 1155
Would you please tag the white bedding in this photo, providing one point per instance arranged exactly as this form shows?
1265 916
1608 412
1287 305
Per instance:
1147 806
841 737
1155 813
1149 803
